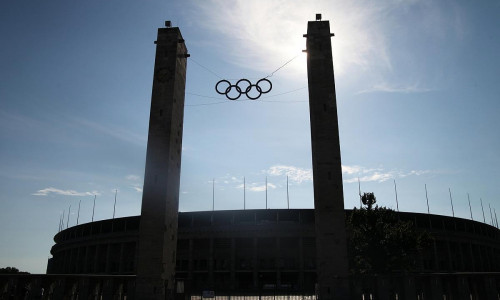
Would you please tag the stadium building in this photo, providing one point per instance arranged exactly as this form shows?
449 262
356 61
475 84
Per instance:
252 250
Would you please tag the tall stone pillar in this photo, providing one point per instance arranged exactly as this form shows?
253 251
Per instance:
331 251
160 200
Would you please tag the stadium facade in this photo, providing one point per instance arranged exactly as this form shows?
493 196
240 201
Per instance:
246 250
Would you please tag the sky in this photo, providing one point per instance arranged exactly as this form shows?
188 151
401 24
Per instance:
417 86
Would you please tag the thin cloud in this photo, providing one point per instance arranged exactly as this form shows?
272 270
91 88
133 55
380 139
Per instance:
135 182
377 174
257 187
351 169
261 35
295 174
133 177
115 132
415 172
227 180
271 32
299 175
51 190
385 88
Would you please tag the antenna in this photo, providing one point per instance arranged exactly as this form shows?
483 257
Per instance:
496 220
114 207
359 189
78 217
287 195
244 194
69 212
451 200
470 208
426 197
213 194
396 192
266 192
93 209
482 208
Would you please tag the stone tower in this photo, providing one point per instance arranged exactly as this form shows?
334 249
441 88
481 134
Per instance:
331 249
160 199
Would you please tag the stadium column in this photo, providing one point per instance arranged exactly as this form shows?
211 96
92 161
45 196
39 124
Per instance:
331 250
160 199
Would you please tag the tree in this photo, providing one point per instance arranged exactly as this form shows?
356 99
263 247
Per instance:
380 242
11 270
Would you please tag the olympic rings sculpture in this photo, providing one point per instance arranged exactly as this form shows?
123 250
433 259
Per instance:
243 87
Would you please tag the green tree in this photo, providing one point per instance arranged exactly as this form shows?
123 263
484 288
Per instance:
380 242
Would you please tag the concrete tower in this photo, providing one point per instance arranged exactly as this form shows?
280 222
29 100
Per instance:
331 250
160 198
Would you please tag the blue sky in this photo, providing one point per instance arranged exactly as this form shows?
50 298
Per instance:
417 91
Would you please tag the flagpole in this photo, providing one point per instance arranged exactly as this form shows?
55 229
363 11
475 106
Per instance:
60 221
470 208
491 215
427 197
78 217
114 207
69 212
396 192
359 189
93 209
451 200
482 208
287 195
266 192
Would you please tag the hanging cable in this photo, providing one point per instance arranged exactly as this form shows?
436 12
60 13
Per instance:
191 58
283 65
204 96
219 98
204 104
284 93
247 87
270 75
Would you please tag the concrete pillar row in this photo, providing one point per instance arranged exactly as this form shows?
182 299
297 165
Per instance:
233 264
301 261
121 262
108 258
211 262
255 264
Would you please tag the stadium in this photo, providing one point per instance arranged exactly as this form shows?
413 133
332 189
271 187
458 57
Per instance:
251 254
252 250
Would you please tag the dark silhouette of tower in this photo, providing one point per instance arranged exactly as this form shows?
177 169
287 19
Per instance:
160 200
331 249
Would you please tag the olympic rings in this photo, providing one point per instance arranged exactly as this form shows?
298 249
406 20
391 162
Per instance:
243 86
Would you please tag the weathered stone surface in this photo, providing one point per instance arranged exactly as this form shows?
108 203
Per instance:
332 260
160 200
